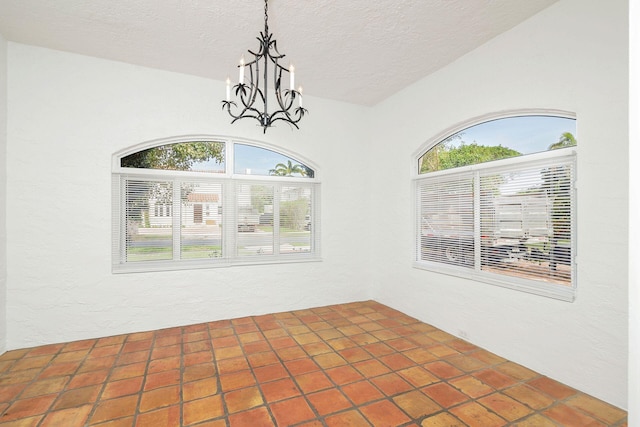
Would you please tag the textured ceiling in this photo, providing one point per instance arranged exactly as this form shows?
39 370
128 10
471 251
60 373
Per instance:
359 51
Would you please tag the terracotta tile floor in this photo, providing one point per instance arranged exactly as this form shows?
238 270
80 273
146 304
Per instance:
358 364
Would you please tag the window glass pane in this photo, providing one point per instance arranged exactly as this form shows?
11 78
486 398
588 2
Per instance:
148 220
201 220
251 160
526 221
499 139
446 221
255 219
199 156
295 219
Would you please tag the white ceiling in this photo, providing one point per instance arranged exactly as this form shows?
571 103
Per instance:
359 51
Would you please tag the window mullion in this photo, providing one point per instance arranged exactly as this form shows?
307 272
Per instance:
229 220
229 159
477 234
122 235
572 197
176 216
276 220
315 195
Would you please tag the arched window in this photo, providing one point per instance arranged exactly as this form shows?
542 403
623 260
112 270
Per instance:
495 201
205 202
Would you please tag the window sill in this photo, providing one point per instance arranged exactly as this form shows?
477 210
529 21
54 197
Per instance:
549 290
156 266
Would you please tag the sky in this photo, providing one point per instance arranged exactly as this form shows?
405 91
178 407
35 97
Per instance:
527 134
248 159
258 160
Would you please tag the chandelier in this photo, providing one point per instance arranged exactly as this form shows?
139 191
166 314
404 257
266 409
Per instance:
254 96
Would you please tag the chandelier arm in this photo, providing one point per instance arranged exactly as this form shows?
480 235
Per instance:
246 117
260 53
257 116
277 84
241 92
247 101
286 115
244 112
254 88
286 102
227 105
293 123
250 99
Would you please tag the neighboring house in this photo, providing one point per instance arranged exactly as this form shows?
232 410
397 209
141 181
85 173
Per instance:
199 209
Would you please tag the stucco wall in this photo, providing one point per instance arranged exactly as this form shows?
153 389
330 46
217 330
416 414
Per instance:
634 213
67 115
571 56
3 192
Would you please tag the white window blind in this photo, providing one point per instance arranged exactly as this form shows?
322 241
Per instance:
446 220
295 219
200 221
509 222
254 210
146 206
187 223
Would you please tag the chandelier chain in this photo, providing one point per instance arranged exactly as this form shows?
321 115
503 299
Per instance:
266 16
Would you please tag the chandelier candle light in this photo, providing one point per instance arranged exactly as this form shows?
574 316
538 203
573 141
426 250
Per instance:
253 96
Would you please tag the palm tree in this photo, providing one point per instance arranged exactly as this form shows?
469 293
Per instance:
566 140
288 170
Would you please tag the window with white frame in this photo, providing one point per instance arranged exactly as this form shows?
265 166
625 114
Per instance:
179 204
496 202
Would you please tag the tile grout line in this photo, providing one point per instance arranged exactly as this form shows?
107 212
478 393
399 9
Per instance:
145 377
59 352
293 378
338 317
34 380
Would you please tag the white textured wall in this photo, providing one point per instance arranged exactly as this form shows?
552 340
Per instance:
3 192
571 56
67 115
634 213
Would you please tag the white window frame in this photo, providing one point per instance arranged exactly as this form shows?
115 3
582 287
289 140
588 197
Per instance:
569 155
229 232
